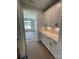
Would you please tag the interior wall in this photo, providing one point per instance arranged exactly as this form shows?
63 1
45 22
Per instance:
38 19
32 19
38 12
20 31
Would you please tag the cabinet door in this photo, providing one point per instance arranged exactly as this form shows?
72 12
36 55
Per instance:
51 45
53 15
43 39
45 18
48 44
56 16
40 20
58 19
47 15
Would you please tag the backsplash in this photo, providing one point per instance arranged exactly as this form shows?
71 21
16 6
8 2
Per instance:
50 29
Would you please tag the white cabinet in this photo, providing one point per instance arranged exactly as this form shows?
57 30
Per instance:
56 15
40 20
50 44
47 15
43 39
52 17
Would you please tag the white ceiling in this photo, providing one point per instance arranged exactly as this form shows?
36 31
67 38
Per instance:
40 4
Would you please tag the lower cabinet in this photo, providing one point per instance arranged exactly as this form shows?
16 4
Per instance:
43 39
50 44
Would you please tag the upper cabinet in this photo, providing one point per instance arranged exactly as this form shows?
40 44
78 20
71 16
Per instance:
47 17
56 15
53 16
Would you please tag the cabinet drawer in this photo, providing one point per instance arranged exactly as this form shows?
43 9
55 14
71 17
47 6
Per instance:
43 39
51 45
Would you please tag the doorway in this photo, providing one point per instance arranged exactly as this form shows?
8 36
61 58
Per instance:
30 25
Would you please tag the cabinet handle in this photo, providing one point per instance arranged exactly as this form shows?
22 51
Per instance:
50 44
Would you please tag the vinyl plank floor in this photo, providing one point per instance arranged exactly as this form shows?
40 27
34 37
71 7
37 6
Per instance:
35 50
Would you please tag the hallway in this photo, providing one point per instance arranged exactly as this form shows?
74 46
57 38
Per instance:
35 50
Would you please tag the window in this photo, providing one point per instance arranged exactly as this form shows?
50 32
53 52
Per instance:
29 19
27 24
